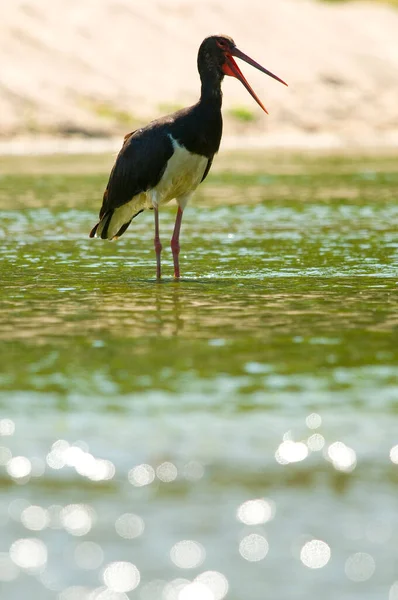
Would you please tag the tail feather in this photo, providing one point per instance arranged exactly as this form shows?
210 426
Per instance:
93 231
111 226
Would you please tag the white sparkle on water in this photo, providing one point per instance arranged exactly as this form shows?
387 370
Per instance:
29 553
315 442
166 472
315 554
141 475
256 512
253 547
291 452
342 457
187 554
77 519
196 591
313 421
7 427
172 590
393 595
121 576
19 467
129 526
35 518
394 454
216 582
360 566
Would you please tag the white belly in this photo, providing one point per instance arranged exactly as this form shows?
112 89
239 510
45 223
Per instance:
182 176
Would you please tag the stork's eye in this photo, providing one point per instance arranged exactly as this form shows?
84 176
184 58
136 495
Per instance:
221 44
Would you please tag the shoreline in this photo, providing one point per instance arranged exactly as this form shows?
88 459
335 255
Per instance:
56 145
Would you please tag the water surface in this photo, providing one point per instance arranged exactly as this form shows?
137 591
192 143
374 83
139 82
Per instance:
138 420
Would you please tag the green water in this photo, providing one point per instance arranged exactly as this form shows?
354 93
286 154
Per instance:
287 308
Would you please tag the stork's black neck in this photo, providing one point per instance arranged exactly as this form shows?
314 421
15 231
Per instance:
211 90
211 76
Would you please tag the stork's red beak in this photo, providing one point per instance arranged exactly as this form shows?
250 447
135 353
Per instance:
231 68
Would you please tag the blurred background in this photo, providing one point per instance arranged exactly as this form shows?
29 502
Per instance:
233 435
102 67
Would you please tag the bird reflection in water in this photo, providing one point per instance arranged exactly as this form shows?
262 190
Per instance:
169 310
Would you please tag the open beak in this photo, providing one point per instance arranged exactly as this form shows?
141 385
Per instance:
231 68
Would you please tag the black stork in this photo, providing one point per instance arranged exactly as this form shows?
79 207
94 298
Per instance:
171 156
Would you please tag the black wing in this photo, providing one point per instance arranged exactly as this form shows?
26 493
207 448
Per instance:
139 166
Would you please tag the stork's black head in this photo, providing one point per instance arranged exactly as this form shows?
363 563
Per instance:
215 60
211 55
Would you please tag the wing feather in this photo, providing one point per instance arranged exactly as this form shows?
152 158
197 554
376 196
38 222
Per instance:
139 166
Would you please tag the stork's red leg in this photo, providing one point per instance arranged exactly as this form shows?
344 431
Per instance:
175 243
156 241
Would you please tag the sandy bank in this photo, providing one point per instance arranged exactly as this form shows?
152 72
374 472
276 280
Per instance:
101 67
